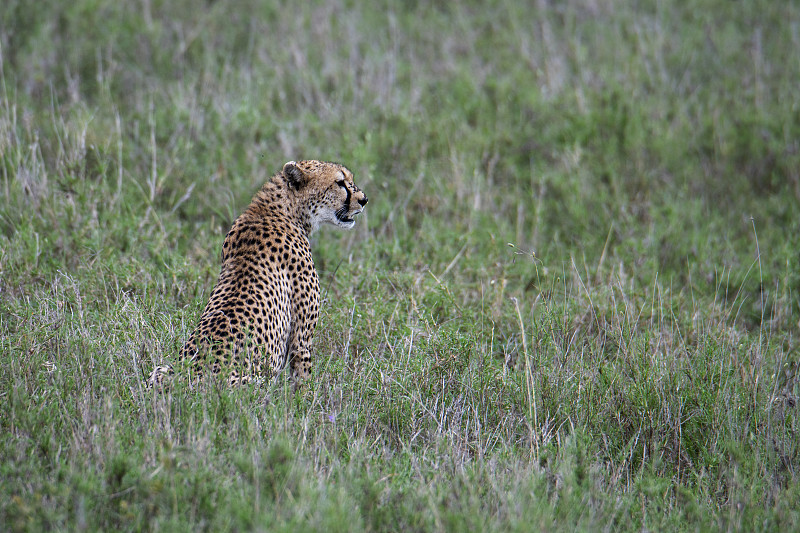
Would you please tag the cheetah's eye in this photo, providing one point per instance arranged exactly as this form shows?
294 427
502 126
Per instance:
340 183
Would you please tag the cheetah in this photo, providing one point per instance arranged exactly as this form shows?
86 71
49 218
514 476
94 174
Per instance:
262 313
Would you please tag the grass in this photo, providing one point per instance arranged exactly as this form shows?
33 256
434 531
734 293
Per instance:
571 305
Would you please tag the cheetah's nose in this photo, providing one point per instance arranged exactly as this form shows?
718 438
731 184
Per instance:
363 201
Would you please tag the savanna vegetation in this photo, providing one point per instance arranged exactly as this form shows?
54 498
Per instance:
572 303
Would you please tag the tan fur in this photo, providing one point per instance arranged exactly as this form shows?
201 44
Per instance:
263 310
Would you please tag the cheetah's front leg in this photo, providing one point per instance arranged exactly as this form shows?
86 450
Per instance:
300 340
305 311
300 366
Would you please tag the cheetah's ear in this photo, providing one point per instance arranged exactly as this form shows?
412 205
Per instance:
296 177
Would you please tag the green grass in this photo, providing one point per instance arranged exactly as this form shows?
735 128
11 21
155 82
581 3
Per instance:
572 303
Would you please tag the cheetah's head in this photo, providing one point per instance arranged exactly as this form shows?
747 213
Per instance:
326 192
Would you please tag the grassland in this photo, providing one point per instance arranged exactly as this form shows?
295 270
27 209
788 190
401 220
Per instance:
572 303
